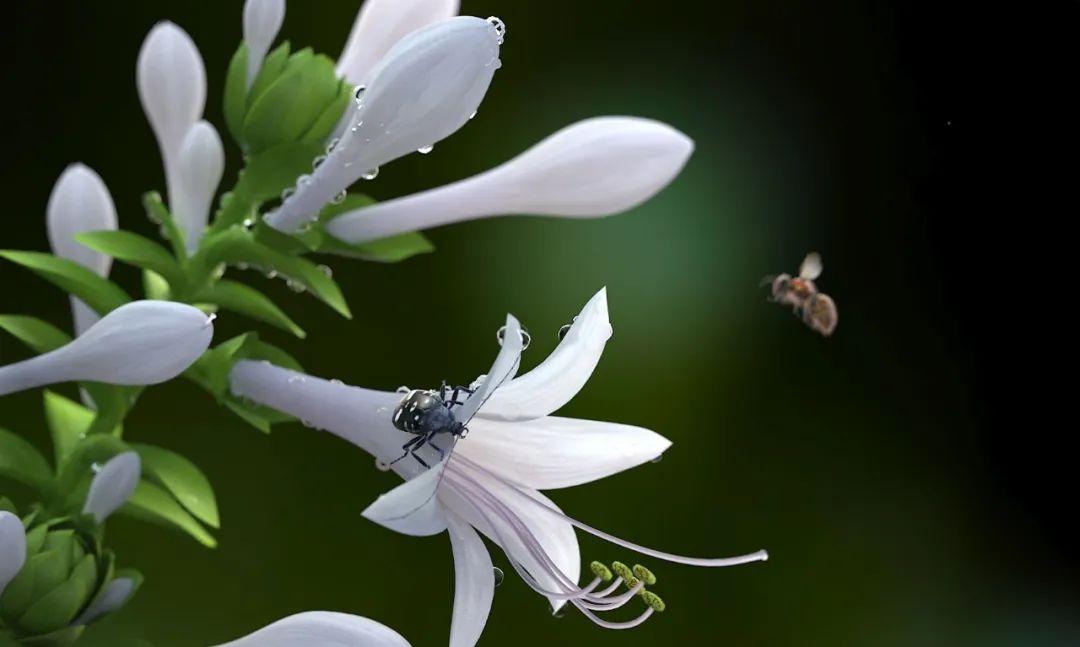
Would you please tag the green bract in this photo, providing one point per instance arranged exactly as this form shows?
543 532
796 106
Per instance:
66 569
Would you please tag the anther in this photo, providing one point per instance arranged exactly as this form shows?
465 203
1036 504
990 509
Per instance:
601 571
654 601
645 574
623 571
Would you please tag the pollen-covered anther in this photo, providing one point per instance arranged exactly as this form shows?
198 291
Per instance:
644 574
602 571
623 571
654 601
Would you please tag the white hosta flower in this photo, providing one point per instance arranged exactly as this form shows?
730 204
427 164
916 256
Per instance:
200 163
139 343
112 485
80 202
12 547
492 481
379 25
323 628
597 167
422 91
262 21
171 80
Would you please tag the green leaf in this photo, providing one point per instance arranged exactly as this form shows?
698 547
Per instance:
6 505
273 170
182 479
100 294
386 250
352 202
135 250
258 349
237 245
271 69
248 301
155 286
328 120
236 91
211 370
58 638
22 462
152 503
40 336
58 607
68 421
248 415
292 103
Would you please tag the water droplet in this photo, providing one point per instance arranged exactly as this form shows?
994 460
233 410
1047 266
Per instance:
317 162
307 423
95 467
498 64
287 193
403 389
303 181
425 149
295 286
500 27
372 174
331 145
336 382
562 331
325 269
499 576
657 459
271 274
359 94
297 379
340 197
472 116
382 465
219 271
248 223
526 338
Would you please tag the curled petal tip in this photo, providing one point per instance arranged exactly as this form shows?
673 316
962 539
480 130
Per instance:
112 485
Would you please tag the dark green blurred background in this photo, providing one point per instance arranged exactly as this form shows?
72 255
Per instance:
880 467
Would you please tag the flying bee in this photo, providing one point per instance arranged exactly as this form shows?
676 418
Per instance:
817 310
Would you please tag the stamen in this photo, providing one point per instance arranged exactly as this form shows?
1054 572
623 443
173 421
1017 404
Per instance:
601 571
654 601
644 574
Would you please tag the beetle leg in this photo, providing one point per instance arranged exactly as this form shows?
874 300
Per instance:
408 447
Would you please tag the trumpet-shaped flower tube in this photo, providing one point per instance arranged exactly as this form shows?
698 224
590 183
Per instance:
379 25
200 164
490 483
171 80
323 628
422 91
597 167
112 486
262 21
12 547
139 343
80 202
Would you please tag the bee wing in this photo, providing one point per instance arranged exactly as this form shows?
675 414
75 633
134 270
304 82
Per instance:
502 371
811 266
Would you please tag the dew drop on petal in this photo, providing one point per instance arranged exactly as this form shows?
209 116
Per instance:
340 197
317 162
371 174
425 150
95 467
499 576
382 465
500 27
325 269
287 193
472 116
359 94
271 274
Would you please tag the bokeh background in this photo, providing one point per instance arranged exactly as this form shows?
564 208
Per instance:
895 471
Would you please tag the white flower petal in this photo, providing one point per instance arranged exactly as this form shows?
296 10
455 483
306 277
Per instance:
502 371
80 202
262 21
558 378
12 547
323 628
379 25
552 452
412 507
115 595
139 343
597 167
360 416
554 534
474 583
200 164
112 485
171 80
421 92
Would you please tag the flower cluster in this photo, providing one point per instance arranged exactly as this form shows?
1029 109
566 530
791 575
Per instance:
310 130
